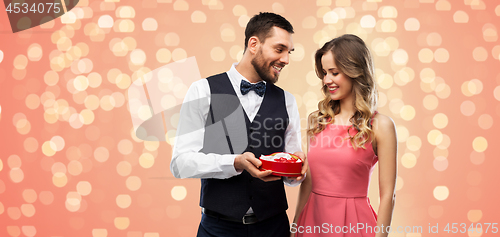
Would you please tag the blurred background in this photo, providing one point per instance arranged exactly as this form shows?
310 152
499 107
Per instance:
71 163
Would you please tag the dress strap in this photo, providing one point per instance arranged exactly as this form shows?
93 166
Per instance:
373 116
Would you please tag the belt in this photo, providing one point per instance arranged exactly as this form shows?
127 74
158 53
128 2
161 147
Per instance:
246 219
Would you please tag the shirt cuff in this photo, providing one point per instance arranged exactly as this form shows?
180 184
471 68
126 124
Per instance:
227 166
293 182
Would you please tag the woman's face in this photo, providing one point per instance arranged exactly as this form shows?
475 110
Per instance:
338 84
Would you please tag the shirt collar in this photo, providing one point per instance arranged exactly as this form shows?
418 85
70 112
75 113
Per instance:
236 77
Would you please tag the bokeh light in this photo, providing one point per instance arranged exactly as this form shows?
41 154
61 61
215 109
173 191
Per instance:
480 144
441 193
178 193
71 149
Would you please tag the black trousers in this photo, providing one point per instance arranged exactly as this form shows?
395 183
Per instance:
276 226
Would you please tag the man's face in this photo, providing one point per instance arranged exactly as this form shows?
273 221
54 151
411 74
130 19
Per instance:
273 55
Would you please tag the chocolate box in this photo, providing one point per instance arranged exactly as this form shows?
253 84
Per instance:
288 168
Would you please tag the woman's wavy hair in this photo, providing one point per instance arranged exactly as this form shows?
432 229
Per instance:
352 58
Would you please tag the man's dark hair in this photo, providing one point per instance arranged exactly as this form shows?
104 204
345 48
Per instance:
261 24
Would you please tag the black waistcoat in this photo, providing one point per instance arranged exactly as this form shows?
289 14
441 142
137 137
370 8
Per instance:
229 131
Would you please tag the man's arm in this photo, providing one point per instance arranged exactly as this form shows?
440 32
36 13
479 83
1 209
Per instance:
187 161
293 138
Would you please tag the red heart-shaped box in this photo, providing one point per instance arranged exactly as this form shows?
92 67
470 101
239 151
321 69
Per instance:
281 168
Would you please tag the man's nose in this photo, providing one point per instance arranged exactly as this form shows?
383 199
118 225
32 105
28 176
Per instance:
285 58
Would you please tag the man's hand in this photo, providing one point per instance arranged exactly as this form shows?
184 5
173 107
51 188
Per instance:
305 165
248 162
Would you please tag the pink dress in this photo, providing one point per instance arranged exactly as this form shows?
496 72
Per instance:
338 204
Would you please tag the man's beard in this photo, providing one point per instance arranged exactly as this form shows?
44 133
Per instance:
260 67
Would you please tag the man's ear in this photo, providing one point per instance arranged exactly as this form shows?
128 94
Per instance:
253 44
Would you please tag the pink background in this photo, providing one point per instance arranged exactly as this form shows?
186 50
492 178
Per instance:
71 164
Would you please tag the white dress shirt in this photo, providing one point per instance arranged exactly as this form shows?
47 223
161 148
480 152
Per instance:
188 162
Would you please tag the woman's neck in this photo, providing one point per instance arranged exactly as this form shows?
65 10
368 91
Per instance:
346 111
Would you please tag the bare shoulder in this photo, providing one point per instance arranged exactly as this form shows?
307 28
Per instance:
383 124
385 135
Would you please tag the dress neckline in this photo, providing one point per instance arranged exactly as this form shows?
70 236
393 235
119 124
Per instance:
341 124
371 120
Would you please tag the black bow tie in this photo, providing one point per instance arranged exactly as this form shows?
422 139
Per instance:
259 88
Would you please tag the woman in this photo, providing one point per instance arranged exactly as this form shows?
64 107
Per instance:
347 136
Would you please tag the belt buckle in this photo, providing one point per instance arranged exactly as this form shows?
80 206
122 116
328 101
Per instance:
245 222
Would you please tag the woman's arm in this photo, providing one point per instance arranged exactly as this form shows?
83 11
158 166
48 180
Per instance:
306 186
305 190
387 149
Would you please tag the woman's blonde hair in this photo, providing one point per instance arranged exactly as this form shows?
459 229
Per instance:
352 58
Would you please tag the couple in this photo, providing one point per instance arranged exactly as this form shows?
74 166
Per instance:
230 119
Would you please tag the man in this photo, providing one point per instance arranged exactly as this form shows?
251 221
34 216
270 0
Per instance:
228 121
